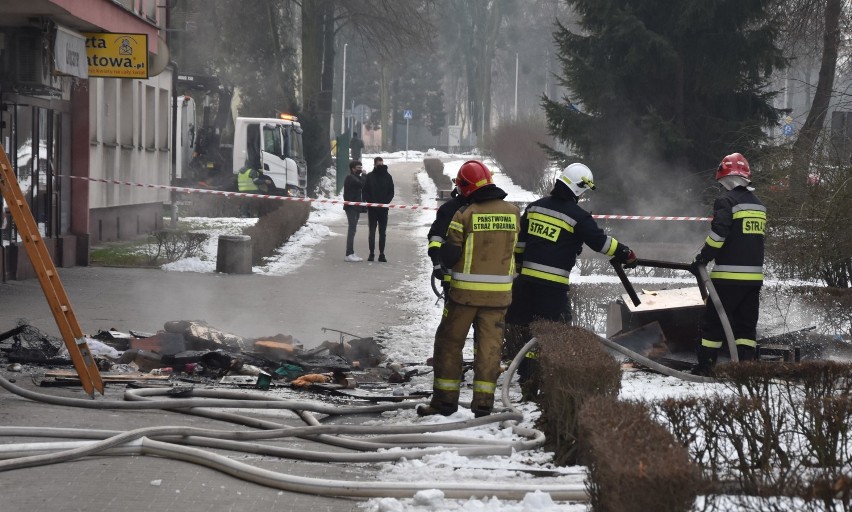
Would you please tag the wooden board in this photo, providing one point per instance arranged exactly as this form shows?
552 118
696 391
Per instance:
107 377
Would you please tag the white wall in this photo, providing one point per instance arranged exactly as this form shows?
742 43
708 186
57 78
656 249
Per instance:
130 138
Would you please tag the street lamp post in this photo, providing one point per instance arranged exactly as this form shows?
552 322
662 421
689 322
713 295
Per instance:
516 86
343 99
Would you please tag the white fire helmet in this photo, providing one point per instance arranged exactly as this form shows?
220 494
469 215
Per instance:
578 178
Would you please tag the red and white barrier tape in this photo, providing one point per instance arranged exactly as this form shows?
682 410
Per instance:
187 190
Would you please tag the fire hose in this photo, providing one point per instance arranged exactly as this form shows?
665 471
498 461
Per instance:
172 442
720 310
410 437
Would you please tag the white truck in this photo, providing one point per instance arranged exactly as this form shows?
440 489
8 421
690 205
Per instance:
274 146
271 145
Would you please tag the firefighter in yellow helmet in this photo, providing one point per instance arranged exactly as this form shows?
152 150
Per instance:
479 249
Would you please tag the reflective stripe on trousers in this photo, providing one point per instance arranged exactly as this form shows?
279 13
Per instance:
449 342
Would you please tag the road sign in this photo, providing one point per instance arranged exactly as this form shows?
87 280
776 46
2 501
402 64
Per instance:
788 130
453 135
407 114
362 113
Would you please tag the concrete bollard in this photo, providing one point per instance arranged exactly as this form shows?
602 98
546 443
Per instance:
433 165
233 255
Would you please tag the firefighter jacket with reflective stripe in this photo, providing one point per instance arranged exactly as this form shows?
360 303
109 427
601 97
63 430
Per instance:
553 231
736 238
245 180
480 243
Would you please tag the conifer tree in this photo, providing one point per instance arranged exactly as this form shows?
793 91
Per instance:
670 86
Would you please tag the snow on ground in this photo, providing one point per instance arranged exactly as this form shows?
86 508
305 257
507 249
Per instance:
413 342
214 227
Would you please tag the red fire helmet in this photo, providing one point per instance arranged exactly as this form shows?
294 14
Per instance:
472 176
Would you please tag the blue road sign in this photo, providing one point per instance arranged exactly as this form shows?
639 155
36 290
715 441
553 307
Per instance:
788 130
407 114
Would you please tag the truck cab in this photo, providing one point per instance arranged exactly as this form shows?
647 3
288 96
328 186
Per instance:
273 146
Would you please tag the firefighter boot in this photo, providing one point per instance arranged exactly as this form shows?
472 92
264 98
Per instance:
443 403
746 353
482 404
442 408
706 361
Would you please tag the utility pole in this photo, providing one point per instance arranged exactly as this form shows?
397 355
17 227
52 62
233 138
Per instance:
343 99
482 124
516 86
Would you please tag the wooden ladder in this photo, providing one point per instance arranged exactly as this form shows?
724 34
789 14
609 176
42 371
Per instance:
57 299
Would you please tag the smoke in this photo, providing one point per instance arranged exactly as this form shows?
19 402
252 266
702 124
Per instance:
633 179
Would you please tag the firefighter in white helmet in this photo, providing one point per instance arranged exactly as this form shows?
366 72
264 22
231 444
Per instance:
553 232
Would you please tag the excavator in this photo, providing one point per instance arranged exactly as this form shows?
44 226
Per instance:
205 159
206 164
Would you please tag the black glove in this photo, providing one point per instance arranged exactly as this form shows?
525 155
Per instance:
438 272
699 259
625 256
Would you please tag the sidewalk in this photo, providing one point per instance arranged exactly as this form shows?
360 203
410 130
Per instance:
325 292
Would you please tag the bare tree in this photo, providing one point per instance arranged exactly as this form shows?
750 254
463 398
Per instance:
473 30
383 26
803 148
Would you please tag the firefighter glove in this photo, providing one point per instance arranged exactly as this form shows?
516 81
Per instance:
439 271
699 259
625 256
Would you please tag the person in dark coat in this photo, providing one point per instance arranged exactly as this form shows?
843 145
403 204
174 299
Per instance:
356 145
378 188
353 188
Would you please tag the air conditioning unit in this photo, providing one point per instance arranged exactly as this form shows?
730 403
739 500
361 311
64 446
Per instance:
27 62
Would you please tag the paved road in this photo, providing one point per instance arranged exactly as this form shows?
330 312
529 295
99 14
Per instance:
325 292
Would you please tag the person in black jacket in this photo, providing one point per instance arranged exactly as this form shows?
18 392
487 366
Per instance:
552 234
378 188
353 191
356 145
735 242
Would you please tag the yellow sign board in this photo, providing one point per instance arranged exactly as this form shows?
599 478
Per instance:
117 55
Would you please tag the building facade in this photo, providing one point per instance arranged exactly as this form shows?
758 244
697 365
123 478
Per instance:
61 125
